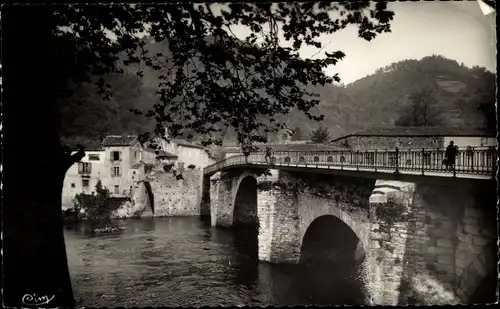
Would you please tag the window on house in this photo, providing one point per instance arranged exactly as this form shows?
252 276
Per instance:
115 171
85 183
135 155
72 185
117 189
115 155
84 168
93 157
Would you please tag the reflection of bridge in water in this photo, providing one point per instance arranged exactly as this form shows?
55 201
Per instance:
474 163
421 233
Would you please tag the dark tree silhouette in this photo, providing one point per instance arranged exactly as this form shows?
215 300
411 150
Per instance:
421 111
490 115
297 134
320 136
211 81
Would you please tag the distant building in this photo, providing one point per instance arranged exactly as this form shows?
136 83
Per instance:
415 138
119 164
188 153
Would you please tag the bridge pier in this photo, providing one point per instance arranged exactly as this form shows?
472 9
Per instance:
278 206
221 192
390 205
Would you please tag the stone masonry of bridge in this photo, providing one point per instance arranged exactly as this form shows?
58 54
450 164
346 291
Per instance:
423 244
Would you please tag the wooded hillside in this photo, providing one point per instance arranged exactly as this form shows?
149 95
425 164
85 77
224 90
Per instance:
454 96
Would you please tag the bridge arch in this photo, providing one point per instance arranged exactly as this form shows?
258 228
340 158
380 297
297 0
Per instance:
244 203
360 229
332 254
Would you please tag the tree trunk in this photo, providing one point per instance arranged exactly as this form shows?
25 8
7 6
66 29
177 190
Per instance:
34 252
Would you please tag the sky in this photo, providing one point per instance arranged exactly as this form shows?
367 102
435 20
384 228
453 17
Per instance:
456 30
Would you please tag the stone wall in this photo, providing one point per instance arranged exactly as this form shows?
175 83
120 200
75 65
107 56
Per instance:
453 255
174 197
435 247
389 142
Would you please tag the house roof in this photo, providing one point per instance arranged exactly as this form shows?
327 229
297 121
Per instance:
285 147
119 140
419 131
166 154
188 144
94 149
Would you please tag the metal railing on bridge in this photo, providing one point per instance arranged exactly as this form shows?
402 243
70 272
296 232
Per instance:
472 161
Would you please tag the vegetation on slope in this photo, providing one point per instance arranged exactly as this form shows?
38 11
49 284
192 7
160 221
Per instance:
450 93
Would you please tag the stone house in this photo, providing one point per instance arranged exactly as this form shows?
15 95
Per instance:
120 163
82 177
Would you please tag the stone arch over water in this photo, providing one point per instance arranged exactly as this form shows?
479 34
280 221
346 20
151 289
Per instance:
307 217
326 235
332 254
245 201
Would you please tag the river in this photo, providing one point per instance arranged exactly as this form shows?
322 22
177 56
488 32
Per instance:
186 262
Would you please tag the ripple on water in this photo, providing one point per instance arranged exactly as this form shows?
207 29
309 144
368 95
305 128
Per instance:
178 262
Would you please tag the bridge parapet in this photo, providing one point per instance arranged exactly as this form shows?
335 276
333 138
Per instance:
471 163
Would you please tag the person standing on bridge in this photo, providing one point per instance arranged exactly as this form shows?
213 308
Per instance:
450 154
268 154
246 152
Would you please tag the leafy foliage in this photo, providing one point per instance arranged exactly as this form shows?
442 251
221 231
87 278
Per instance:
211 81
320 136
96 206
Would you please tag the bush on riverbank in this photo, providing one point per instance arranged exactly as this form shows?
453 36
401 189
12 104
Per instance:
96 207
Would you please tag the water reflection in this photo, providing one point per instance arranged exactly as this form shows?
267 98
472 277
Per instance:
186 262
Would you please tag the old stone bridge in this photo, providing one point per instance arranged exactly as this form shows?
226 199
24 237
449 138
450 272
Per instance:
418 232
